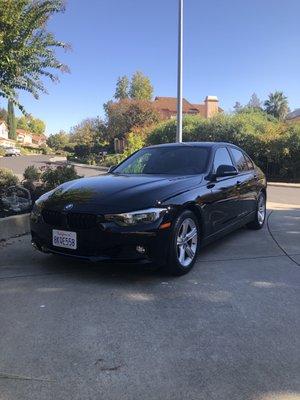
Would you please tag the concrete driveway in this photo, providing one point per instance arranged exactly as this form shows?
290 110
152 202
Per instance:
229 330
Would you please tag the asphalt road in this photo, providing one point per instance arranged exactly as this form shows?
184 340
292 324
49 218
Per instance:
229 330
19 164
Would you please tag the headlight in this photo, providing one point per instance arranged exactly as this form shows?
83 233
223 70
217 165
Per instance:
137 217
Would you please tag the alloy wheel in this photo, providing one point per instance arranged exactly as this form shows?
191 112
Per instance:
187 242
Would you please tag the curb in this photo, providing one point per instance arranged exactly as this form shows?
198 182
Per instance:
96 167
55 159
14 226
63 159
283 184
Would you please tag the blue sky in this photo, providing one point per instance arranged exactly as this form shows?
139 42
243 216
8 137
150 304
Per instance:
232 49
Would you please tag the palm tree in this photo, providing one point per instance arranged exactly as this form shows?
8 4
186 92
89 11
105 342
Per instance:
277 105
26 47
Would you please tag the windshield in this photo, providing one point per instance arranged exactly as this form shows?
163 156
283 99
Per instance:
173 160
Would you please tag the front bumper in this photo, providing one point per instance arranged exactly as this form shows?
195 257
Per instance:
107 243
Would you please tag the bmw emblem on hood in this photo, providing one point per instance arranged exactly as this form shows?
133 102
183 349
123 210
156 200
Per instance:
69 207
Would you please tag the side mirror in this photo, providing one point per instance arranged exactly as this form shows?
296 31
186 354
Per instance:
110 169
226 170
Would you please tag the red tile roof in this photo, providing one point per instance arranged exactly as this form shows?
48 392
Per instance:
37 138
23 131
170 104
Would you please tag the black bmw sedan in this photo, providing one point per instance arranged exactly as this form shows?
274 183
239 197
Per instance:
160 205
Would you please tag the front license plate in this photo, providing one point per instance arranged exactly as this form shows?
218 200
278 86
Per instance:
65 239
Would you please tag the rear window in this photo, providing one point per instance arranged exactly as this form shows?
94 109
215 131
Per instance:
249 162
239 159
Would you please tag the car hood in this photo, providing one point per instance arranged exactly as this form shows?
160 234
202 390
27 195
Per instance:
119 193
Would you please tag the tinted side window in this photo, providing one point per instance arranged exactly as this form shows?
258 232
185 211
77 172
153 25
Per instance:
240 160
222 157
250 164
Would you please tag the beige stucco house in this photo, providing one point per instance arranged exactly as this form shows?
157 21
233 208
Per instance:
24 137
167 107
4 140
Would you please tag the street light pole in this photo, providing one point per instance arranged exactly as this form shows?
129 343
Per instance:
180 70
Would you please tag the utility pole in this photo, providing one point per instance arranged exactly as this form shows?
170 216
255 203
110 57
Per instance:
180 73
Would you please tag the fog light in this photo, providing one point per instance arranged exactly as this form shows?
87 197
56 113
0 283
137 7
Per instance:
141 249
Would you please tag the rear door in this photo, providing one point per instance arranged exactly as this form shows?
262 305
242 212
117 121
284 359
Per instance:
247 181
223 207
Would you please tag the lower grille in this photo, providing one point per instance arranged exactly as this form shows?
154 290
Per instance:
70 220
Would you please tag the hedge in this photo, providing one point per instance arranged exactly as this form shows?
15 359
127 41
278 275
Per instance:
273 145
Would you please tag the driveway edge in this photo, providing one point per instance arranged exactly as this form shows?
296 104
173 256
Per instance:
14 226
284 184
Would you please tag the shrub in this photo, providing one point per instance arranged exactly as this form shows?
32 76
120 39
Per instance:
45 149
82 150
53 177
112 160
32 173
7 178
2 151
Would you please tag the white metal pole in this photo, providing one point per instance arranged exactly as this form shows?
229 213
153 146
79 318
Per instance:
180 73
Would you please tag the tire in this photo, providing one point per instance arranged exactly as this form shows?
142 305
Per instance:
182 257
260 214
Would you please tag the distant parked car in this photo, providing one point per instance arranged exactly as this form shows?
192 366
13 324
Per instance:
12 152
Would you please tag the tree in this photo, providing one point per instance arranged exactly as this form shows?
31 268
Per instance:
122 88
89 132
238 107
37 126
277 105
11 121
22 123
3 114
254 102
31 124
141 87
124 116
58 141
26 48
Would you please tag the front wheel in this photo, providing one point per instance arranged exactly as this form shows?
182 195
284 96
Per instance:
260 214
184 244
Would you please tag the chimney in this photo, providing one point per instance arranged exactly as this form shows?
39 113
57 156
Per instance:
211 106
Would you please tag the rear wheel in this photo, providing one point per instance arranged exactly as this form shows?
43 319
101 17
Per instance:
184 244
260 215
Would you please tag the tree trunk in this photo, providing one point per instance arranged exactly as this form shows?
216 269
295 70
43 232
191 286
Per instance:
11 121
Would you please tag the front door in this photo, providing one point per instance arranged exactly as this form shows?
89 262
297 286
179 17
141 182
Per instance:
223 206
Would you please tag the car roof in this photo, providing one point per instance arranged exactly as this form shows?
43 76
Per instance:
194 144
